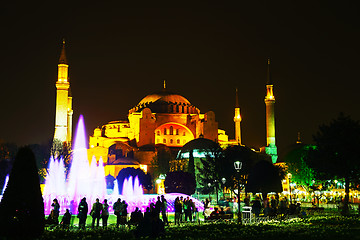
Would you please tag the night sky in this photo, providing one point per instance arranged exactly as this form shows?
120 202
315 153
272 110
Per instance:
118 53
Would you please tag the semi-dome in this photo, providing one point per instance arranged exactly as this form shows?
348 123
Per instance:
165 102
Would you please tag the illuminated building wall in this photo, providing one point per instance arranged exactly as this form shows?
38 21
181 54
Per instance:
160 118
64 112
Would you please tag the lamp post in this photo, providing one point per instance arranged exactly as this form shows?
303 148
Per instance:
217 191
237 166
209 185
289 177
223 180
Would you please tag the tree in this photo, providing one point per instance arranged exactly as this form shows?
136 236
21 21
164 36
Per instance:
7 156
180 182
42 155
264 178
22 206
302 174
336 154
161 162
209 171
191 163
61 150
246 156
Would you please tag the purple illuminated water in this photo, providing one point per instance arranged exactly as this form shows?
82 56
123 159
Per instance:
5 184
88 180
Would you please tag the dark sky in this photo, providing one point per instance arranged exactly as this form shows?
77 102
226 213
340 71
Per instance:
118 53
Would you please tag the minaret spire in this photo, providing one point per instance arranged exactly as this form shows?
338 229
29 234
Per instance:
237 119
270 116
237 99
62 59
64 112
268 75
164 85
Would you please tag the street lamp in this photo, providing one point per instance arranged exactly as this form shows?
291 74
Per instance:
289 177
238 166
223 180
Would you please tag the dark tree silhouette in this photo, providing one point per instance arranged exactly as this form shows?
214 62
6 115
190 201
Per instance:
336 154
264 178
22 206
161 162
144 179
7 157
180 182
246 156
191 163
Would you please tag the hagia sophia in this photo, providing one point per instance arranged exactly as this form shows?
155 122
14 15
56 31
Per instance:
163 119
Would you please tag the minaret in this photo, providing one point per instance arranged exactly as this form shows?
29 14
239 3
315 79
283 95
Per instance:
237 119
63 118
270 117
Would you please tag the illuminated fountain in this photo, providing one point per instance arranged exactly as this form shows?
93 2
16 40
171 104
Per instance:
5 184
88 180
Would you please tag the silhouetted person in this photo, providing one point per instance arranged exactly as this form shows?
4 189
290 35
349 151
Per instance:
56 209
163 210
82 213
178 209
105 213
65 222
123 212
151 226
95 213
117 209
158 206
256 206
136 216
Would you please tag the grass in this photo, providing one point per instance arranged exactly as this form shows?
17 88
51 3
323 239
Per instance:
309 228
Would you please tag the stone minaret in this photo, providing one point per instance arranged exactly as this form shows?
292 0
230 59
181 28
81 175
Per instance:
64 112
237 119
270 116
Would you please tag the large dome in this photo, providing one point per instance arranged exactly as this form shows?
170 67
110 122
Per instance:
165 102
165 96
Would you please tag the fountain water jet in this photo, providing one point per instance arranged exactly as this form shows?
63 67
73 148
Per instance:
88 181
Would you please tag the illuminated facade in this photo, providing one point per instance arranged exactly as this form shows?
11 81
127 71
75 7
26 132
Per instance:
64 112
163 118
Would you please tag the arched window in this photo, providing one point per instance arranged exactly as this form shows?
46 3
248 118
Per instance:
178 141
177 131
158 133
171 130
171 141
164 131
184 133
164 140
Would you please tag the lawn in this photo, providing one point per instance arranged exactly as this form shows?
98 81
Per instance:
314 227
